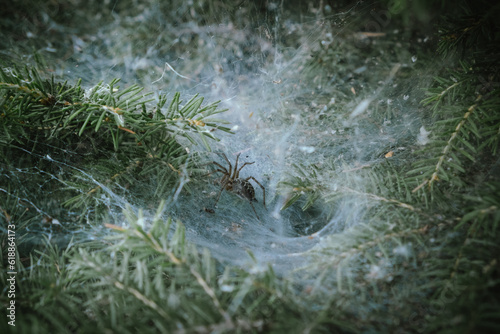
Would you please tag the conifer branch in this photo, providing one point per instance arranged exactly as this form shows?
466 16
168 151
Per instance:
448 147
382 199
212 295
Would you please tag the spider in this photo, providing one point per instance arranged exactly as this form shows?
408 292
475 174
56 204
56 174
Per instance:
231 181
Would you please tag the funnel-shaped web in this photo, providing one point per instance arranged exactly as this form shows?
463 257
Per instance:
309 106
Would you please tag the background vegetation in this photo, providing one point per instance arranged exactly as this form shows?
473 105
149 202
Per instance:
399 101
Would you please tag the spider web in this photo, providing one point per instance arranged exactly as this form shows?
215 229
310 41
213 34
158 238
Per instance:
277 100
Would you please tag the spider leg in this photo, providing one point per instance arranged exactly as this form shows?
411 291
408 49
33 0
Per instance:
229 163
246 163
221 169
235 167
260 185
254 210
224 181
220 166
215 171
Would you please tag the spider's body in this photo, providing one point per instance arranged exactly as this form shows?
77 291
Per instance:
232 182
244 189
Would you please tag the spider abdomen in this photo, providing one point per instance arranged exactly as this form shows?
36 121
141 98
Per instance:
244 189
